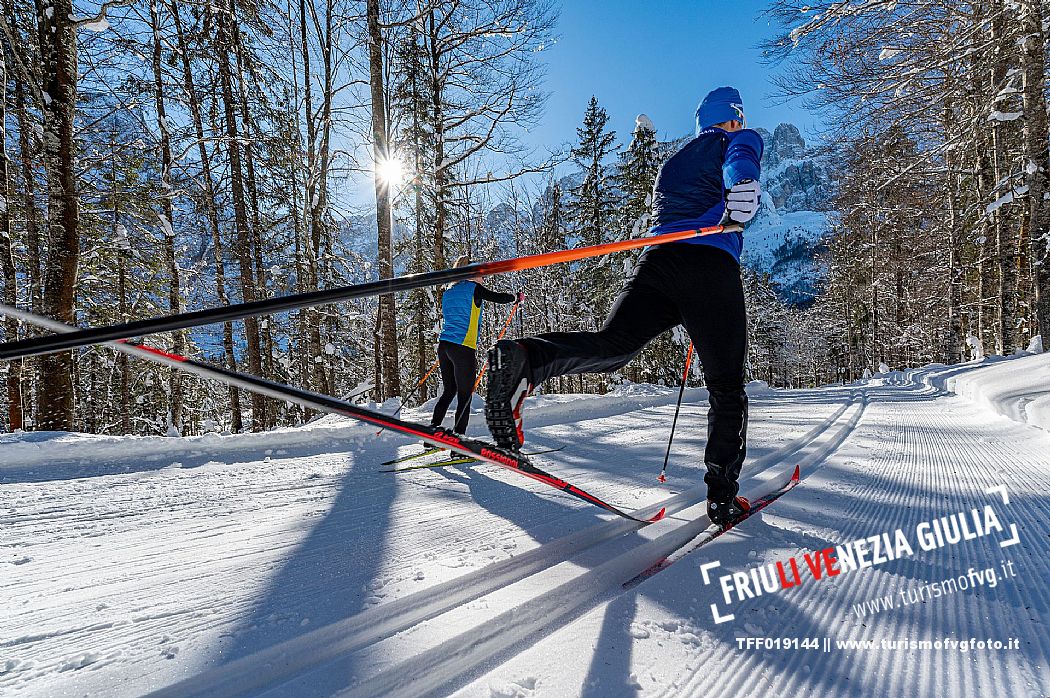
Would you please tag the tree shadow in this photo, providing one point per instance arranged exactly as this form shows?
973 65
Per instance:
51 456
333 573
609 673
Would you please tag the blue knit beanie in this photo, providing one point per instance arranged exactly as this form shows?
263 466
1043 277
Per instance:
723 104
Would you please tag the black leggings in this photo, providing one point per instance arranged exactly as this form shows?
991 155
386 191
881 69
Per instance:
697 286
458 365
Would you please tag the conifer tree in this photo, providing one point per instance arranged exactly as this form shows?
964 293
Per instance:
592 213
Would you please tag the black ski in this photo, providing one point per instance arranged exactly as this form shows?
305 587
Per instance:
430 451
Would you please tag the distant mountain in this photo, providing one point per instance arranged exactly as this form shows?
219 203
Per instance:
794 219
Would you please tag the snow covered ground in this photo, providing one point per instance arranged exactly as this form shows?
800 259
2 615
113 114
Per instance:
284 564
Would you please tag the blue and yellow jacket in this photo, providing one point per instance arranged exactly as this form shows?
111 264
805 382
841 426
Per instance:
691 186
461 309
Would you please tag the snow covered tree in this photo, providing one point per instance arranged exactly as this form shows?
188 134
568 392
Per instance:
966 88
592 211
636 175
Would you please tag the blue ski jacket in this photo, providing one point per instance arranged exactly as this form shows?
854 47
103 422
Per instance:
461 310
691 186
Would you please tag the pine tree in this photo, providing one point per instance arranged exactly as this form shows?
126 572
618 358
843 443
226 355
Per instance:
636 176
594 200
592 215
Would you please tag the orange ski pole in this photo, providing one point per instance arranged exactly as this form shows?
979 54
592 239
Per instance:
98 335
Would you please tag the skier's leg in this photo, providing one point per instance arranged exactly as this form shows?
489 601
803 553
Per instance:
448 384
713 312
465 360
642 311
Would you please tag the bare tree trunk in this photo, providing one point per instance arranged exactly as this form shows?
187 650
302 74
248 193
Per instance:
303 359
955 340
123 363
440 173
266 336
984 182
313 211
29 202
175 398
1002 315
120 240
32 238
240 211
59 52
7 260
1036 151
29 180
213 214
384 210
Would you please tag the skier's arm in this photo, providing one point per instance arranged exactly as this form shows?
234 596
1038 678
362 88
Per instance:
483 294
742 158
740 173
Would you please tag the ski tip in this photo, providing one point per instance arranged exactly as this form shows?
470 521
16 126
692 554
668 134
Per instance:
659 515
795 475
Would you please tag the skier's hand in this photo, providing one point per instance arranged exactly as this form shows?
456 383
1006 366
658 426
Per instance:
742 201
521 296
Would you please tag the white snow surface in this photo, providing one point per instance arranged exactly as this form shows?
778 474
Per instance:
286 564
1018 389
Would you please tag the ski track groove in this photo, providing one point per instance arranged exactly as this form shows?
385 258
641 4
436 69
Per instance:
943 453
698 682
184 508
907 464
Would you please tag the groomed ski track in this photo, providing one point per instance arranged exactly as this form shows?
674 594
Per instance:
283 564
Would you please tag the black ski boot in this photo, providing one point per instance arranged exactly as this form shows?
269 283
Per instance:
725 514
508 387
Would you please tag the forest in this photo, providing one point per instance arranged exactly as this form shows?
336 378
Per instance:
167 155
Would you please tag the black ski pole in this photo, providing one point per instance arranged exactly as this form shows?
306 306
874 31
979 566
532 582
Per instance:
674 422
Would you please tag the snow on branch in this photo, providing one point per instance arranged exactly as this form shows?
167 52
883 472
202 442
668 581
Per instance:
1006 198
98 22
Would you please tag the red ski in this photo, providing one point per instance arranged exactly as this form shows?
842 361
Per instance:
438 438
714 531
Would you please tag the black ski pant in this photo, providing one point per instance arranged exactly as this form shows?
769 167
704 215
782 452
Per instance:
698 286
458 365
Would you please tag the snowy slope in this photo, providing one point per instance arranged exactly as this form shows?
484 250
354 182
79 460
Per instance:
285 564
1018 388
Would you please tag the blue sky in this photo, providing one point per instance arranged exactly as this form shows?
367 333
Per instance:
658 58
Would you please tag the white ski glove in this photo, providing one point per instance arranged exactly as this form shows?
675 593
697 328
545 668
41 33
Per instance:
743 201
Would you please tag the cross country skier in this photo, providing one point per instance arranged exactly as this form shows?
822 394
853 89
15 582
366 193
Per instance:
461 310
713 179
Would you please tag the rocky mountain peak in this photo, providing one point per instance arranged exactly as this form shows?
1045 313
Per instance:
785 143
793 175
